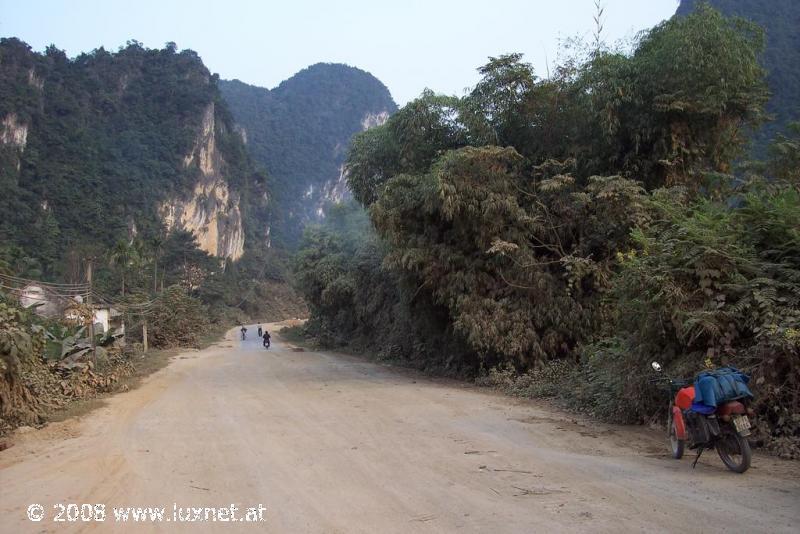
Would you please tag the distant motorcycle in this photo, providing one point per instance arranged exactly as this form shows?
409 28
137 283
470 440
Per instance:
725 428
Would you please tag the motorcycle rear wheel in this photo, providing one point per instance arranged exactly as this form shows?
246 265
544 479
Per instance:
676 445
734 451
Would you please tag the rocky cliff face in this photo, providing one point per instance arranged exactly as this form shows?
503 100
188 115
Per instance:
13 133
212 212
371 120
335 189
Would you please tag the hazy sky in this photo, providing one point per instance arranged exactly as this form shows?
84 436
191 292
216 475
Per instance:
409 44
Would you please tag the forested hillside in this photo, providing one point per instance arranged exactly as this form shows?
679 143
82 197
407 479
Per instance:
555 235
300 132
128 159
781 58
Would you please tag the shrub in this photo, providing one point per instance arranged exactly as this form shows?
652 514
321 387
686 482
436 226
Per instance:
545 381
176 319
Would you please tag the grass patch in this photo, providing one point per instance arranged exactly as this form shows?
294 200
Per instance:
212 334
146 365
75 408
296 334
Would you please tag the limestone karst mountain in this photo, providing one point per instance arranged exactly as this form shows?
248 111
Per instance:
111 146
301 130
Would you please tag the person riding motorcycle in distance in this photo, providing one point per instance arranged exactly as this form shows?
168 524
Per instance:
266 339
244 332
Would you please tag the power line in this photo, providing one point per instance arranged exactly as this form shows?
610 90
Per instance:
28 281
71 292
140 309
120 304
68 292
47 292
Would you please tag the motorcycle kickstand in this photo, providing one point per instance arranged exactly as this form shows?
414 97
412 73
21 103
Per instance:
696 458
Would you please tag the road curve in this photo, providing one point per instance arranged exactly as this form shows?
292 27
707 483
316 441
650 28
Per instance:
330 443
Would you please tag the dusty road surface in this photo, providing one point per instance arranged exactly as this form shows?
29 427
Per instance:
328 443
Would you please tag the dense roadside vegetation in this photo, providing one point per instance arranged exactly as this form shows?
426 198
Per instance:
556 235
35 380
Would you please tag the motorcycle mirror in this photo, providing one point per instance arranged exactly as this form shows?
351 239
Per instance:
656 366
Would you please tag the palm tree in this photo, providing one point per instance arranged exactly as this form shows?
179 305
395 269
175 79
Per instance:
124 255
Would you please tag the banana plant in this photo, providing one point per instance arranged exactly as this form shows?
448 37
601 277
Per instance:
62 341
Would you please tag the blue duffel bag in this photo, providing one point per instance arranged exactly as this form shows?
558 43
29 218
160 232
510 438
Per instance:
716 387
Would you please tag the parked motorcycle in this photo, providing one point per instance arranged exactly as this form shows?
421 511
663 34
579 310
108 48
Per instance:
725 428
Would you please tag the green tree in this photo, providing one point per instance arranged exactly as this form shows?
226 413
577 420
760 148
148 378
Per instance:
683 102
125 257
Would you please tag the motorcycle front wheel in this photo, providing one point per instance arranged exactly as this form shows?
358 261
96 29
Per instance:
734 450
676 445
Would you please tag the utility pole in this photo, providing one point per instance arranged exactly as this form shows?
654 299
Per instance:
91 313
144 334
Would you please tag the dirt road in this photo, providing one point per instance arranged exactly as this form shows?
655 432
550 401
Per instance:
329 443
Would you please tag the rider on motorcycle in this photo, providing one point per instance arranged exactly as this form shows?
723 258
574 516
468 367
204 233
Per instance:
266 339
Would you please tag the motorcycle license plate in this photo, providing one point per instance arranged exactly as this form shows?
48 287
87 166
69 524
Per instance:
742 424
